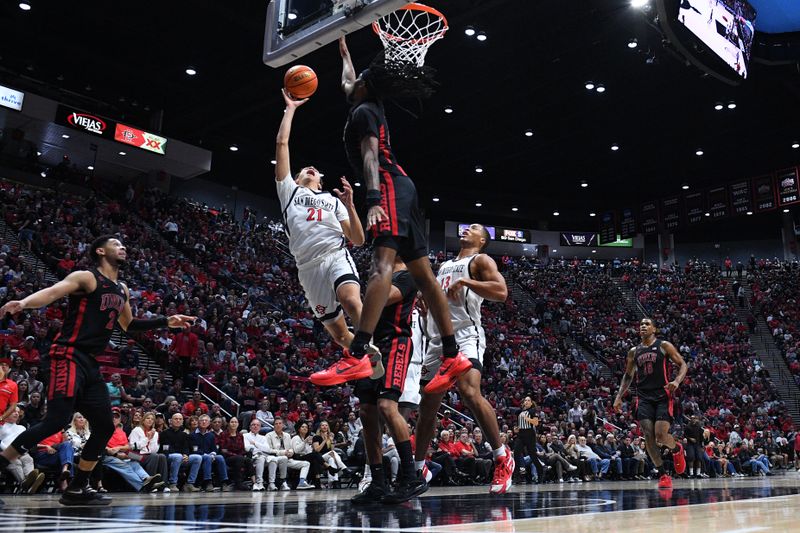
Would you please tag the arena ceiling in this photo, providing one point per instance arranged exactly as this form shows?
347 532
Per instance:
529 74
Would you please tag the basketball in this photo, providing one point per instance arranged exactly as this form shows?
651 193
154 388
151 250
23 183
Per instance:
300 82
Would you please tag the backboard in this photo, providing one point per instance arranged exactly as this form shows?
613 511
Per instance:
295 28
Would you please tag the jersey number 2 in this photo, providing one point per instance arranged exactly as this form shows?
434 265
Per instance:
112 318
314 213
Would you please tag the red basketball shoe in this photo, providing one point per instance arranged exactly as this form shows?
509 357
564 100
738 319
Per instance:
451 368
679 459
503 471
348 368
665 482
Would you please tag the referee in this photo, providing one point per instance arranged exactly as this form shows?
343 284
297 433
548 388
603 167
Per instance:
527 421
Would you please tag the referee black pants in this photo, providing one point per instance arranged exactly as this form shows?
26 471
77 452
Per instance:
526 445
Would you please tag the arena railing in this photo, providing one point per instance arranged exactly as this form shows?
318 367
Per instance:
221 393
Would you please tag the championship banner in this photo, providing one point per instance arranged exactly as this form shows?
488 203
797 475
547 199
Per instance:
649 217
718 202
628 223
787 185
671 213
608 228
695 205
140 139
741 199
764 194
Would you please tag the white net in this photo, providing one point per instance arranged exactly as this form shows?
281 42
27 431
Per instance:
409 32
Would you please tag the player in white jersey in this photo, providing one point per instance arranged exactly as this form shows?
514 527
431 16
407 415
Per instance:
468 279
318 225
409 400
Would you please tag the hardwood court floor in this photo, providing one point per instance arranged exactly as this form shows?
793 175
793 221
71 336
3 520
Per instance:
719 505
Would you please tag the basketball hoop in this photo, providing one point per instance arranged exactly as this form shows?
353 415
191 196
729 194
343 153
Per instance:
408 32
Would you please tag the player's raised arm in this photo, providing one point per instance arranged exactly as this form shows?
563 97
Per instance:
351 227
490 283
369 153
282 163
81 281
675 357
348 71
627 378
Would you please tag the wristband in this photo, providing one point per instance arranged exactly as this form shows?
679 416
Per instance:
138 324
373 198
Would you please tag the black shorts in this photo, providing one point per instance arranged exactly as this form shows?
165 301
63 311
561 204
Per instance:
654 408
75 376
396 356
404 229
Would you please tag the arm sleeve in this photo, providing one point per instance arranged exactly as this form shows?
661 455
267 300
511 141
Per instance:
341 212
285 189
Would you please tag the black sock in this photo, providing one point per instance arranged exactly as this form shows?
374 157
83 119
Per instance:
406 459
449 346
378 477
661 470
359 345
81 479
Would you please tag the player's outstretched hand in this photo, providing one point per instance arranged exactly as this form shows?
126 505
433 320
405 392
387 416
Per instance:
180 321
291 102
346 194
618 405
671 386
13 307
375 215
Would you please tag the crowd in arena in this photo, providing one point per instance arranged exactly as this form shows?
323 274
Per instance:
263 426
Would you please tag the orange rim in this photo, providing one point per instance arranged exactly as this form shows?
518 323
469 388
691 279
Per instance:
415 7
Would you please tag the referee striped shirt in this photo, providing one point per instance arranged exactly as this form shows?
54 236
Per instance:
522 421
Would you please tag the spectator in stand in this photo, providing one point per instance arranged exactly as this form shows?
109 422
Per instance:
304 451
695 451
21 468
190 407
256 444
55 451
78 432
598 465
28 352
9 395
630 464
205 442
184 347
175 444
34 409
117 458
231 445
116 391
323 445
759 464
143 439
279 444
266 417
65 265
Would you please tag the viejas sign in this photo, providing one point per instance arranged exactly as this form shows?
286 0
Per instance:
83 121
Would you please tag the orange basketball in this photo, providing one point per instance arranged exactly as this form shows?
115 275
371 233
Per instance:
300 82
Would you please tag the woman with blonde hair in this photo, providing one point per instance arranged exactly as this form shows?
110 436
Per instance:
144 444
322 443
78 433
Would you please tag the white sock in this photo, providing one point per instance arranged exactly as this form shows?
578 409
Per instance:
499 452
691 471
418 465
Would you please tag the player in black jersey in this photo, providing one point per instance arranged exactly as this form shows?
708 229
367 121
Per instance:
654 390
97 301
378 398
394 216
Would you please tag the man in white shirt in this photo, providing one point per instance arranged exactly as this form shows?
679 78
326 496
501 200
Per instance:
265 416
598 465
256 443
279 445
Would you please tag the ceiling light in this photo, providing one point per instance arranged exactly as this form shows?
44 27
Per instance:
584 183
191 71
731 105
614 147
795 145
638 3
556 213
749 212
90 167
699 152
589 85
357 184
481 36
592 214
64 136
478 204
38 153
708 214
448 109
233 148
273 162
515 209
594 251
528 133
292 15
633 43
122 153
685 186
554 250
43 173
478 169
25 6
786 210
469 31
601 88
435 198
718 106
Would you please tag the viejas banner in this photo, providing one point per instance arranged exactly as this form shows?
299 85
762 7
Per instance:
85 122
